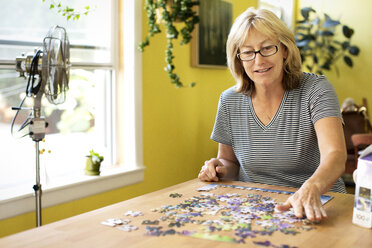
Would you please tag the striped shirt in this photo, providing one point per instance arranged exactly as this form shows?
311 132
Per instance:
284 152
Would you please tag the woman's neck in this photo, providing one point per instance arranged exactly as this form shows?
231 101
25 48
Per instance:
266 102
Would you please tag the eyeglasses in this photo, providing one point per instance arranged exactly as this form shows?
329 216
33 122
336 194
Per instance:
265 52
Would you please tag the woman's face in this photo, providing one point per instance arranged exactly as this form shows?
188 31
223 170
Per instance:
263 71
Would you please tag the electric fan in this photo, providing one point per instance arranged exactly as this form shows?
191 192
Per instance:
48 74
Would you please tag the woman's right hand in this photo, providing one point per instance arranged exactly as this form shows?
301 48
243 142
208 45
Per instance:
212 170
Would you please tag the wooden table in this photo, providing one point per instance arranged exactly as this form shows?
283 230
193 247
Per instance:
86 230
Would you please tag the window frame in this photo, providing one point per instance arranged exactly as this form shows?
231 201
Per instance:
127 120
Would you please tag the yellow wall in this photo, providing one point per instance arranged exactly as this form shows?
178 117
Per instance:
176 127
352 82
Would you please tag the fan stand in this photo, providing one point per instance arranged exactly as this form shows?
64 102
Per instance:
37 186
54 44
37 133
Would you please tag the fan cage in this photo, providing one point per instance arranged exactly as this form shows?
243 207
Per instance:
56 65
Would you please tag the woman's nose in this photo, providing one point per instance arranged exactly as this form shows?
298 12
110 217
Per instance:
259 58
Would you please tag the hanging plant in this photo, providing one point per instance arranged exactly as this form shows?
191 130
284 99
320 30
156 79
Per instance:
68 12
319 43
171 12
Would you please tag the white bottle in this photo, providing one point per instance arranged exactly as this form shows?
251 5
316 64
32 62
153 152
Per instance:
362 214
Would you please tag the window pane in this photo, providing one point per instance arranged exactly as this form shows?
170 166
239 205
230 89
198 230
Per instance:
24 25
78 125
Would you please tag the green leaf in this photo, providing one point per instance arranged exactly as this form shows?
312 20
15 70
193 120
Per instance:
303 43
315 59
301 21
348 61
332 49
329 22
326 33
348 32
301 28
316 21
306 11
345 45
354 50
51 6
326 65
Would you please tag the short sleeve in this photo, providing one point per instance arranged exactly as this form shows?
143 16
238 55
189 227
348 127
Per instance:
323 101
221 130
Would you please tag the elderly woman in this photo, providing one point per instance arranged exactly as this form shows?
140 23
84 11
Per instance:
278 125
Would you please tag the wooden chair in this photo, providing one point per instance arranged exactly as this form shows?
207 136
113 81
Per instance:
356 122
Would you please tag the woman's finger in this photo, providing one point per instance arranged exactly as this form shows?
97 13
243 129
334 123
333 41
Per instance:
318 214
323 212
309 211
297 208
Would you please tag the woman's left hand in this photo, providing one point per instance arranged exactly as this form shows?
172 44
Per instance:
306 201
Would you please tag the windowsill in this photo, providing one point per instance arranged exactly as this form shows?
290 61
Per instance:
16 203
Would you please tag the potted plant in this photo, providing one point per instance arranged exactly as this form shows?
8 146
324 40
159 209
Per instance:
319 43
93 163
169 12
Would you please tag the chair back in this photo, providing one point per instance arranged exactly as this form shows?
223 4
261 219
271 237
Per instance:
355 121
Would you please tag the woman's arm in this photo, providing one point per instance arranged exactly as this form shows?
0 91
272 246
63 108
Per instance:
225 166
331 142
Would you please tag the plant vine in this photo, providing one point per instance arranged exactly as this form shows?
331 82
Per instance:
181 11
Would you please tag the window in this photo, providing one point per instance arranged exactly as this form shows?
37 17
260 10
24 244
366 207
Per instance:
91 113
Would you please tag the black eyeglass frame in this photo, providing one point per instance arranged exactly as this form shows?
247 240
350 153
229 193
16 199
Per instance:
259 51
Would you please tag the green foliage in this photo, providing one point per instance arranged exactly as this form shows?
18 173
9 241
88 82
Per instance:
180 11
69 13
319 43
95 156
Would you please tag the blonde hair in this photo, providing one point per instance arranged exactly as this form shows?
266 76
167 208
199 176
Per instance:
267 23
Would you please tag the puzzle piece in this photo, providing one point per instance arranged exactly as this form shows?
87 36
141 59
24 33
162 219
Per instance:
127 228
133 214
114 222
175 195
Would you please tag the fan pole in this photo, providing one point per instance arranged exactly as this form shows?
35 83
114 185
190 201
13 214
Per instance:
37 186
37 132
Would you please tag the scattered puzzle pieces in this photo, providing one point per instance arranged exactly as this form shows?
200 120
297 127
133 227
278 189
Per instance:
229 217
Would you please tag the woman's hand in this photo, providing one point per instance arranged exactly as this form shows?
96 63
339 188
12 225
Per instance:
306 201
212 170
225 166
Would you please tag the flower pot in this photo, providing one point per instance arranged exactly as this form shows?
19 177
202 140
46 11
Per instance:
92 167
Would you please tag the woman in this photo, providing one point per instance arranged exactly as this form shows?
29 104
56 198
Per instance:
278 125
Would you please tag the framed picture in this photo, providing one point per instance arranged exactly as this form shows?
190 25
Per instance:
283 9
208 45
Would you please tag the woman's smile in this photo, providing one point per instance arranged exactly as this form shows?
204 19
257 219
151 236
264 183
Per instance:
264 70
